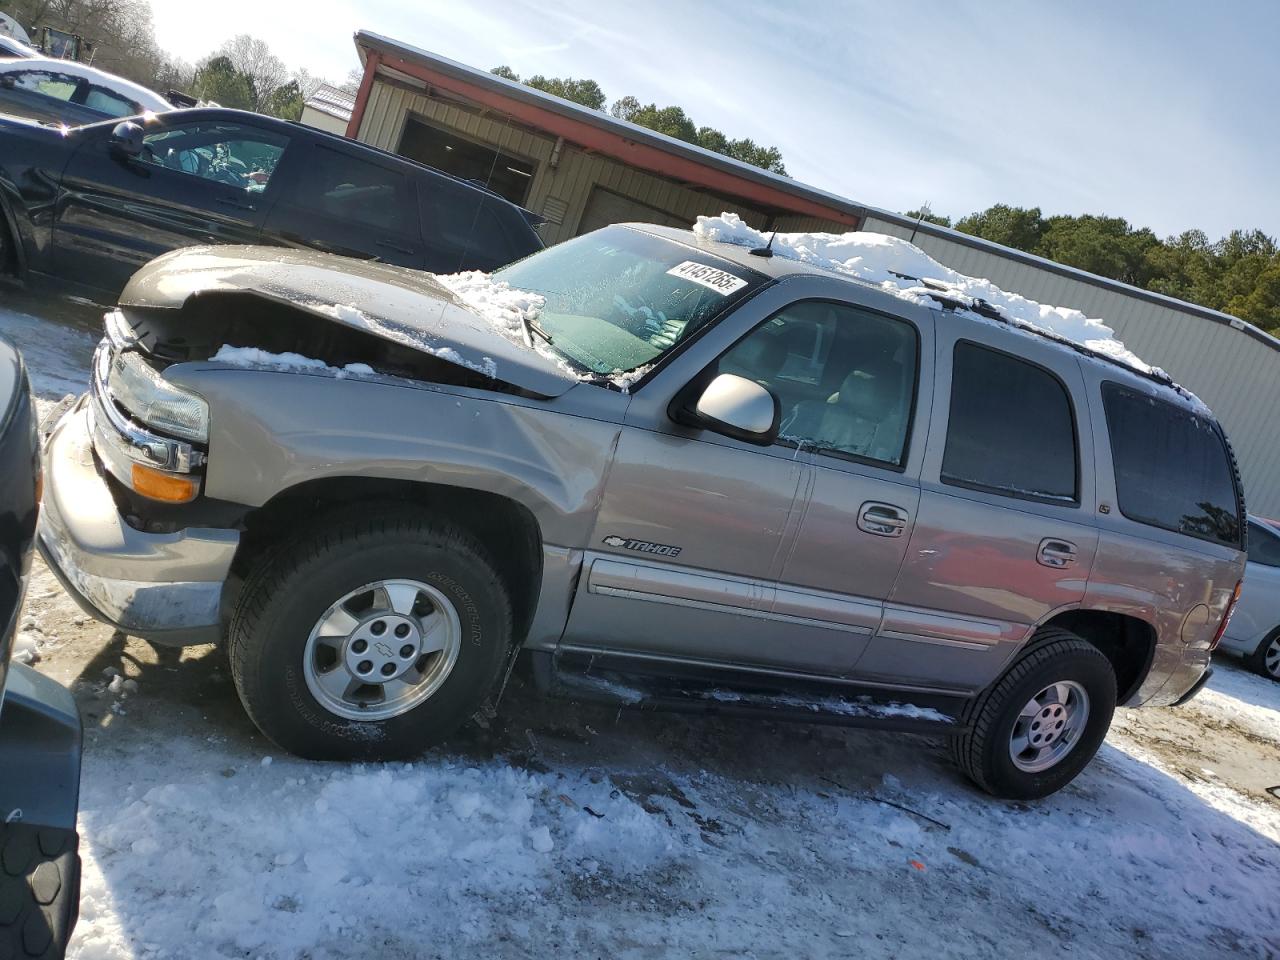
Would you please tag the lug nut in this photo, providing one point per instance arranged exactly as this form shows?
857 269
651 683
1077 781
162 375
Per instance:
388 669
402 631
360 646
379 628
364 666
406 652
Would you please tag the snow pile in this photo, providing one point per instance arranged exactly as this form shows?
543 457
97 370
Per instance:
254 358
291 859
899 267
355 317
506 307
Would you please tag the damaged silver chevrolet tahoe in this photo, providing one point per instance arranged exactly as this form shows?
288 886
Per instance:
699 476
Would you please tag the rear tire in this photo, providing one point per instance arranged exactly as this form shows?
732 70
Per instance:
293 591
1060 693
1265 661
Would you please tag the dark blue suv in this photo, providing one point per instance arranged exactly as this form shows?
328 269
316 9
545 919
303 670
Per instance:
90 205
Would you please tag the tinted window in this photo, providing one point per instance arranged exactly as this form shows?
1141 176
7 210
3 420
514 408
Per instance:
109 102
348 188
59 86
1011 429
227 153
844 378
1172 469
1264 546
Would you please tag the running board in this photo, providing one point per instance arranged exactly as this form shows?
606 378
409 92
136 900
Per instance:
617 682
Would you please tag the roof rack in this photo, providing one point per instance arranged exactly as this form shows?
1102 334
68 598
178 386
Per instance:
952 299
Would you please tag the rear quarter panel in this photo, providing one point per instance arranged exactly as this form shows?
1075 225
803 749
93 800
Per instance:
1178 584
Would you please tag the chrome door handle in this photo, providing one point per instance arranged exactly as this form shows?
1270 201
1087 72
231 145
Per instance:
882 519
1056 553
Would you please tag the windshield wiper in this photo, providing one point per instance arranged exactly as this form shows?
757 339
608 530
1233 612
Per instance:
534 327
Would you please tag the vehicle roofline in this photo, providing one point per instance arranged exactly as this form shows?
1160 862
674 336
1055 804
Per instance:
779 268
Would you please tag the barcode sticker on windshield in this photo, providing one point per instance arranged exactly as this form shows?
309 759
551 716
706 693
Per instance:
718 280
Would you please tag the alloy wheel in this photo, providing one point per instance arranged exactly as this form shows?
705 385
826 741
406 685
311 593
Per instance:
382 649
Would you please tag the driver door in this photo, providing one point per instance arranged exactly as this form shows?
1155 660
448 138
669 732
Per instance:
199 181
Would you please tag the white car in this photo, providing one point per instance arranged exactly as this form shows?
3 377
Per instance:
1254 630
62 91
11 48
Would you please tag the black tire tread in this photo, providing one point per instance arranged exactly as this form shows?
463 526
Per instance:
981 714
39 890
1256 660
337 528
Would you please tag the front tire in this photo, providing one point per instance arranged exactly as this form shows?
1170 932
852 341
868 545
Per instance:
372 638
1033 730
1265 661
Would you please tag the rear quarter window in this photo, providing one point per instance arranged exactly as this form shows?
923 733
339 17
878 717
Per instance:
1172 467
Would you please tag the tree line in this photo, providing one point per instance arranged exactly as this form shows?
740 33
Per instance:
672 121
1238 274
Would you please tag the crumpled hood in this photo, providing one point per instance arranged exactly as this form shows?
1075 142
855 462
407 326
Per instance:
406 306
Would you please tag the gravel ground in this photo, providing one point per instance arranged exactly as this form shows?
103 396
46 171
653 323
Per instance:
603 832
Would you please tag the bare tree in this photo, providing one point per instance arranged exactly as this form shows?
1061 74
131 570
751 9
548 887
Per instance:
252 57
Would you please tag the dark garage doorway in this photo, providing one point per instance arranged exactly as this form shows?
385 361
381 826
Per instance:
502 173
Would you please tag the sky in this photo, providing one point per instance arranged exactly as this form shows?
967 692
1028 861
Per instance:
1161 112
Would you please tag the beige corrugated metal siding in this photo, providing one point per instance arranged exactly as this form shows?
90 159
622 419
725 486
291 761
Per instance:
1235 374
570 181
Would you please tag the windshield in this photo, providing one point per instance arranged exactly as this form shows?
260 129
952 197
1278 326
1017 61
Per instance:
618 299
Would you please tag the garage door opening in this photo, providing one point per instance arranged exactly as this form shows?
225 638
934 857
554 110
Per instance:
502 173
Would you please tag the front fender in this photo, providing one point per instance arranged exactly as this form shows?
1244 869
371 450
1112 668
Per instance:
272 430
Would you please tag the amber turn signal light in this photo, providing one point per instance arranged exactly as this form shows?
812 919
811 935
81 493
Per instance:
163 486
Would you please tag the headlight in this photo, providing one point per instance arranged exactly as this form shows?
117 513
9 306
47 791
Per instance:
155 401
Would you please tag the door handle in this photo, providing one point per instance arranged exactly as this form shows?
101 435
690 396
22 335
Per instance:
228 202
389 245
1056 553
882 519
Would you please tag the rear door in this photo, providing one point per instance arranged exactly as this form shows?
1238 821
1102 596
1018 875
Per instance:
348 203
1005 534
196 181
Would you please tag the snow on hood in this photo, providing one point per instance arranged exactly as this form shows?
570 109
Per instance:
468 319
899 267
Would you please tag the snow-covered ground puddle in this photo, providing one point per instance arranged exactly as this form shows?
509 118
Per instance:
587 831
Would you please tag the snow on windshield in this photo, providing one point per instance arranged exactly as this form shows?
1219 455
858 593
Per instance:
899 267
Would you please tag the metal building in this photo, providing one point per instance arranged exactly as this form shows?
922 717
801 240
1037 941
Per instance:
582 169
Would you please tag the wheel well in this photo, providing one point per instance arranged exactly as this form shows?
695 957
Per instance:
1129 643
506 527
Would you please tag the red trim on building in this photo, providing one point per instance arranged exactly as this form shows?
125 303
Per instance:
362 95
617 146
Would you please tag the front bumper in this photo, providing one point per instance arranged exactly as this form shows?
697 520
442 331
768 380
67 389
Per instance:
40 738
164 587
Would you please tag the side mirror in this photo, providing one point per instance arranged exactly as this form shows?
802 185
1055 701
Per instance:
739 408
126 139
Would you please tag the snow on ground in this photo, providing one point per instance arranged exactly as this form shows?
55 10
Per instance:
898 267
597 831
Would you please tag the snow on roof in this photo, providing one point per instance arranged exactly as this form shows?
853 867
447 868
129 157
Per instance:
902 269
332 100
